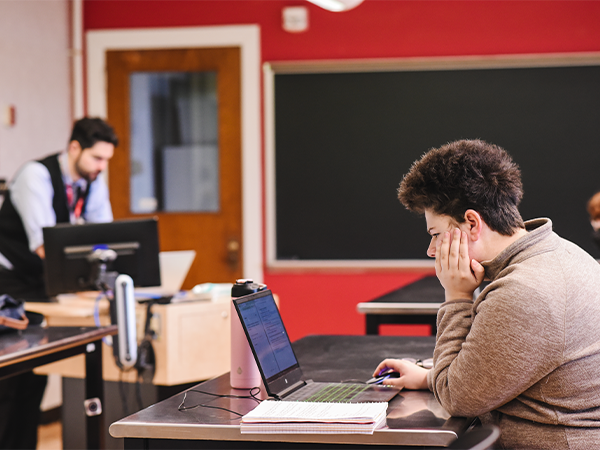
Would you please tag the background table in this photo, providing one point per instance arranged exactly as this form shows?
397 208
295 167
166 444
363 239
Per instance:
22 351
414 418
416 303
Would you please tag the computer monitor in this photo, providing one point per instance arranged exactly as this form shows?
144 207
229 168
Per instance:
69 267
111 256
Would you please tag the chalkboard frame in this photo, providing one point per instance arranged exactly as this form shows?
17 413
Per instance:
272 69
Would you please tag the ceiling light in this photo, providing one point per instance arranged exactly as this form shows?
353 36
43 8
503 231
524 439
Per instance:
337 5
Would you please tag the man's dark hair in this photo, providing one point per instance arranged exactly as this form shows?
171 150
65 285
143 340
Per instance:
89 130
466 174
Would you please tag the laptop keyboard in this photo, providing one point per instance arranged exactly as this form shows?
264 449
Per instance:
335 392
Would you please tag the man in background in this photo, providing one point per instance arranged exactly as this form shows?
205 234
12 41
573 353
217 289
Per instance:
66 187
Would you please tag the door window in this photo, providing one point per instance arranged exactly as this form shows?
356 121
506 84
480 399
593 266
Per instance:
174 142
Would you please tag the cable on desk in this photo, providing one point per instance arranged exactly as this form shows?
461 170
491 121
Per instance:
252 395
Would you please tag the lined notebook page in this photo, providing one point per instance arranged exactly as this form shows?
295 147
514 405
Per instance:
310 417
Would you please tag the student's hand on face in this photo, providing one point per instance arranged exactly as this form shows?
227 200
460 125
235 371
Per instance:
458 274
411 375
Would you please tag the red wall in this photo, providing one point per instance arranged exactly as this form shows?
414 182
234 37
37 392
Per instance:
375 29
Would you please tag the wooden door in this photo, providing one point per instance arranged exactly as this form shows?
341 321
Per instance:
215 235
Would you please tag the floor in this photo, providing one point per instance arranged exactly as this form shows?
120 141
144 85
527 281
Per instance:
50 436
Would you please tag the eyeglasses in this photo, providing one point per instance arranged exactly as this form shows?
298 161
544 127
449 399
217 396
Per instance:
425 363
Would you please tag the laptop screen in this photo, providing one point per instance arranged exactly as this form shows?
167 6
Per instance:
261 320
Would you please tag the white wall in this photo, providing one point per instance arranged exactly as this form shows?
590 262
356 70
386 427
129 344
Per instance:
35 78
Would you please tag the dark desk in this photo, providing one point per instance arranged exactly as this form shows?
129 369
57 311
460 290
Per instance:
416 303
414 417
22 351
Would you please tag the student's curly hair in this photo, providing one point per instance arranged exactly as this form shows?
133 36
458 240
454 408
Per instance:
466 174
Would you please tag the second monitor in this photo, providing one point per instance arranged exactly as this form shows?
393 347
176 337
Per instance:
69 268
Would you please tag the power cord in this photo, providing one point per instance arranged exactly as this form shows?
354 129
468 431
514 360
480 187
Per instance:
123 391
252 395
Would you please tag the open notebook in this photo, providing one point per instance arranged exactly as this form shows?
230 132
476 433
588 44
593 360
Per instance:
174 267
277 363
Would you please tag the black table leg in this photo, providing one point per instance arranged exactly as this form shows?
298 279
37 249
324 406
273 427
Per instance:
94 394
372 323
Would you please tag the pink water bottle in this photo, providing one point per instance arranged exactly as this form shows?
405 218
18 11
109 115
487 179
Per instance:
244 372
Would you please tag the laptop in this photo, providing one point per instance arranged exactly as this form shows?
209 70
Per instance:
277 363
174 267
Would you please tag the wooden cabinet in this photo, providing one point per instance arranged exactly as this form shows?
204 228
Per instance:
191 342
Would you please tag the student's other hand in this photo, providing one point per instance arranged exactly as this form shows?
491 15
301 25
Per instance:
411 375
458 274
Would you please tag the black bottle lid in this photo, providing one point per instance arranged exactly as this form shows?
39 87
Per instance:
246 286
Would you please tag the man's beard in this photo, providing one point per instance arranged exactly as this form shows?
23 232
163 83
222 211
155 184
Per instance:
88 176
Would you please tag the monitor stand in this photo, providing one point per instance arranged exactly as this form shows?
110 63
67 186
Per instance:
122 305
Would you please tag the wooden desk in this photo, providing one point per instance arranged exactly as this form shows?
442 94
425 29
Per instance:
180 331
416 303
414 417
22 351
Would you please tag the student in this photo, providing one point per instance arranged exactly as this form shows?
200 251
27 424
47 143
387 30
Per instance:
525 354
65 187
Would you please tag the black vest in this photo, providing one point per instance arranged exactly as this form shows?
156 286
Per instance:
14 244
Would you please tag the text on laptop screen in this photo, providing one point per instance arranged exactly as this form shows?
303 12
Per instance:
268 336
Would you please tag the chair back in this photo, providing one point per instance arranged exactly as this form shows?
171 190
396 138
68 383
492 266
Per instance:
478 438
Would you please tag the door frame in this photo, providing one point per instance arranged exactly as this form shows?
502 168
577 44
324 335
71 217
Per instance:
247 38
